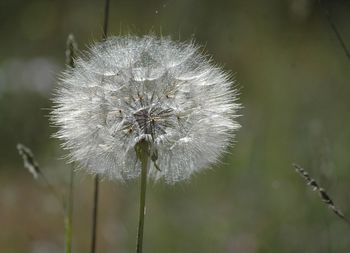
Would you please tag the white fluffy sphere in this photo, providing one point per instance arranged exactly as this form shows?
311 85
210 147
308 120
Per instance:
129 89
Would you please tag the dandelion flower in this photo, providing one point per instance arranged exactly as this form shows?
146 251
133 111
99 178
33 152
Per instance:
131 89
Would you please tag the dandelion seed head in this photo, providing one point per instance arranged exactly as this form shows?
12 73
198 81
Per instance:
129 89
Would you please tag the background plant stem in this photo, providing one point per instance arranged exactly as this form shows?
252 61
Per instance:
96 181
94 215
69 215
334 27
68 206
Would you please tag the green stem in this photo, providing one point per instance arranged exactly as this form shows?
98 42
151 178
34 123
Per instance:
143 156
335 29
69 215
96 181
94 215
51 188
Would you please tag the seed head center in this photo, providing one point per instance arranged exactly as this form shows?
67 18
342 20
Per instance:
153 120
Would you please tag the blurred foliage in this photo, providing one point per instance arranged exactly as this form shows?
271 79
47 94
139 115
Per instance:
294 82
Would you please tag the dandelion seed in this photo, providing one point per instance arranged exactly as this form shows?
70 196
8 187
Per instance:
131 89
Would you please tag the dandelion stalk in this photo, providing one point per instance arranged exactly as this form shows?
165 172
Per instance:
323 194
142 151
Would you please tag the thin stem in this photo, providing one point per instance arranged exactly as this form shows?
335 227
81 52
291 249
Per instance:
335 29
68 217
32 166
94 215
145 163
69 214
105 23
51 188
96 183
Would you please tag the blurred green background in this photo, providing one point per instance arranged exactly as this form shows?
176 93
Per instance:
294 81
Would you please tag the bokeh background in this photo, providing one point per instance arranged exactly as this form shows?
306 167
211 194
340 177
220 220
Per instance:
294 81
